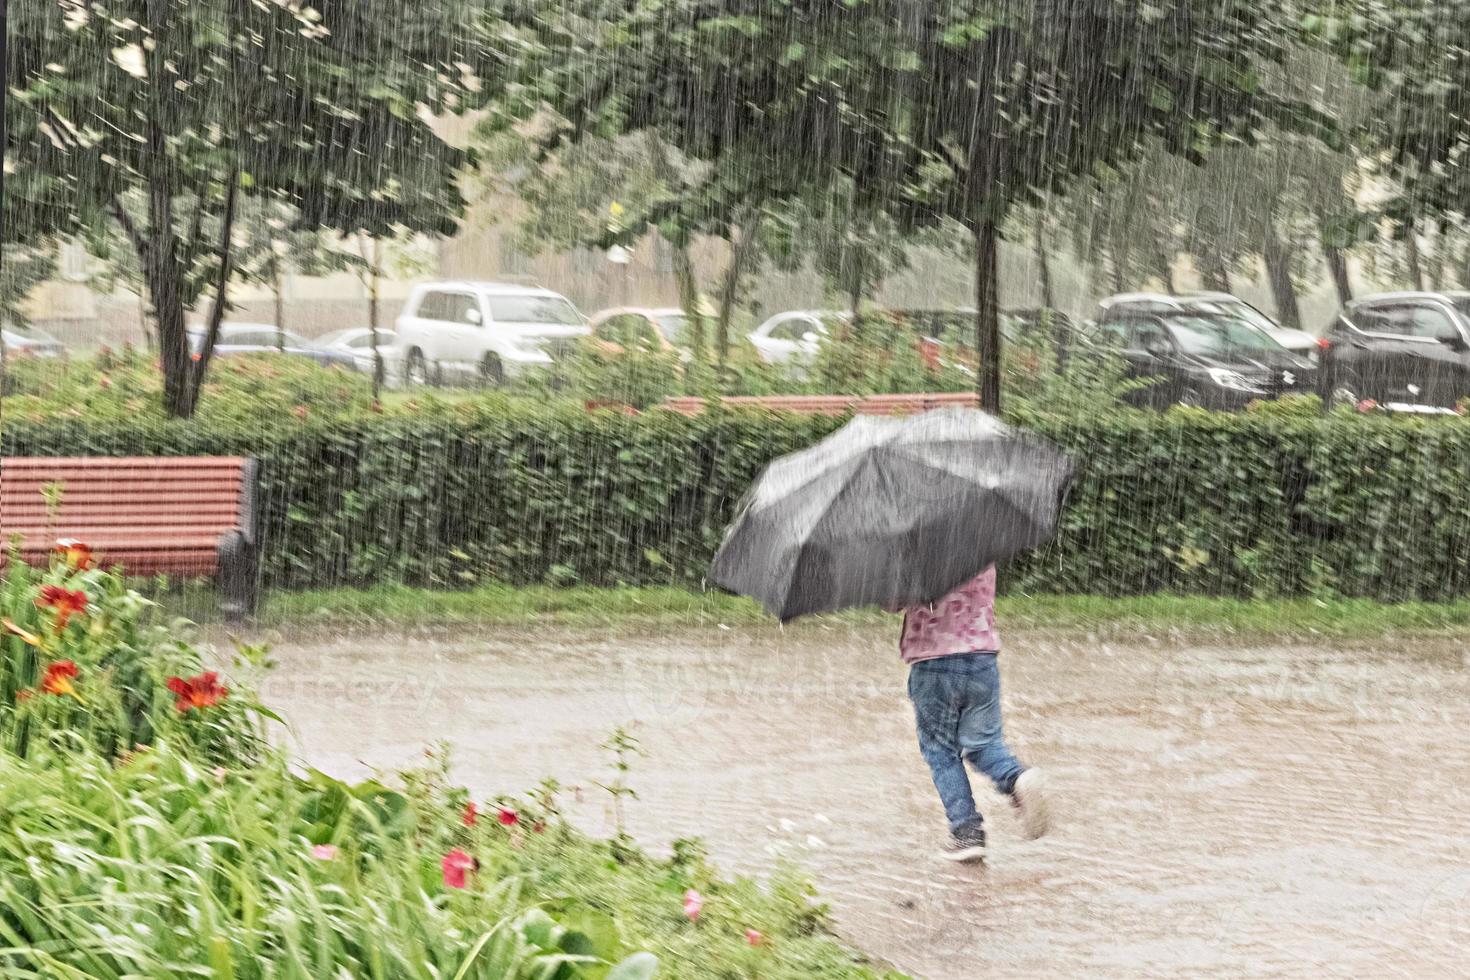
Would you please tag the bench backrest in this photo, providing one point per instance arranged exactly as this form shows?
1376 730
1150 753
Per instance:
132 506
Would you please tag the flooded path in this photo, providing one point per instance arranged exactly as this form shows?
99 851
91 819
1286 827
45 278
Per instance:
1227 810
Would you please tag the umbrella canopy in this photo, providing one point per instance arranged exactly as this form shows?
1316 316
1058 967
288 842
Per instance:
891 512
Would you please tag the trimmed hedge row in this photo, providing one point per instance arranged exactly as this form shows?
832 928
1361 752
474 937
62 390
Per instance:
1256 504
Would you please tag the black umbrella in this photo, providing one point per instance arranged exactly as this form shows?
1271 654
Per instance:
891 512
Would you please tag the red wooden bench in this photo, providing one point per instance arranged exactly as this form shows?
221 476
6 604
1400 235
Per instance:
903 404
183 516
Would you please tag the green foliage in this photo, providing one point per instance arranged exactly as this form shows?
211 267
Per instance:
151 122
1273 501
116 663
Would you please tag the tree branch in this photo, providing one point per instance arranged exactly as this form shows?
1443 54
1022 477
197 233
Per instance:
222 282
139 243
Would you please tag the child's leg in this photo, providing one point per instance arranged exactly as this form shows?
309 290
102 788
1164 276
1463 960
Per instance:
936 714
981 738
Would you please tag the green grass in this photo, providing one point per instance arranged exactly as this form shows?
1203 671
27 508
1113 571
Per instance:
668 607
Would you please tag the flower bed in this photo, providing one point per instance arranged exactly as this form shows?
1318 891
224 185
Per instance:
147 828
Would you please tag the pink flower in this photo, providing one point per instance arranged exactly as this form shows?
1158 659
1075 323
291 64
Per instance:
324 852
471 814
508 817
693 903
457 865
754 938
1367 405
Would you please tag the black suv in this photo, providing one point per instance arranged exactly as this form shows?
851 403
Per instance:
1404 351
1203 360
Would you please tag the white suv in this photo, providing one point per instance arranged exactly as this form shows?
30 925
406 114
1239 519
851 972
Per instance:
486 329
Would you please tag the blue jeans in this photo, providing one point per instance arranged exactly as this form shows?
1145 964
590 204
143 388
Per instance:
957 709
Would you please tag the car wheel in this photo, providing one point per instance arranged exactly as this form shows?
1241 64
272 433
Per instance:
1346 390
492 371
416 369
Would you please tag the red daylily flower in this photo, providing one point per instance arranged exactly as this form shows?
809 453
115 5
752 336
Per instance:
26 635
203 691
507 817
58 677
457 866
65 602
78 556
471 814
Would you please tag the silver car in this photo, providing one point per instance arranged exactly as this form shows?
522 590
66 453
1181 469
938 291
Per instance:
357 343
27 341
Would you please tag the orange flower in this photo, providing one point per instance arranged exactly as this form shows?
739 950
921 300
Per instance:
25 635
78 556
58 677
203 691
66 602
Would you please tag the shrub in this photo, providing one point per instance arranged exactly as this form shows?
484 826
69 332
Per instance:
1273 501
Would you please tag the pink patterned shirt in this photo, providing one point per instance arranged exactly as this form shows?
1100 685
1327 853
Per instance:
961 622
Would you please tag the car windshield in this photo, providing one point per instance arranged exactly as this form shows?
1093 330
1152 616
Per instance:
1215 336
1236 309
534 309
674 326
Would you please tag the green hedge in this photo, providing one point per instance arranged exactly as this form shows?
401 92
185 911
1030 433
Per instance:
1266 503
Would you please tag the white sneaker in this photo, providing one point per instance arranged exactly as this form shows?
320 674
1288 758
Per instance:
1028 796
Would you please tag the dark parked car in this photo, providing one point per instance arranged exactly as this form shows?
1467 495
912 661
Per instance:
1404 351
262 338
1206 361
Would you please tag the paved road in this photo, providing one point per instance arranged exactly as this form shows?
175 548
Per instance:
1229 810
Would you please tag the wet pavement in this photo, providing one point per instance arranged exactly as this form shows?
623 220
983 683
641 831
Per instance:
1226 810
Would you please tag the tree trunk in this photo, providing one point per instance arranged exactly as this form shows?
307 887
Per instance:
1213 273
987 314
1166 272
165 293
1043 263
221 295
742 246
1115 271
1278 271
1411 254
277 289
689 297
1337 268
855 294
1437 263
375 277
